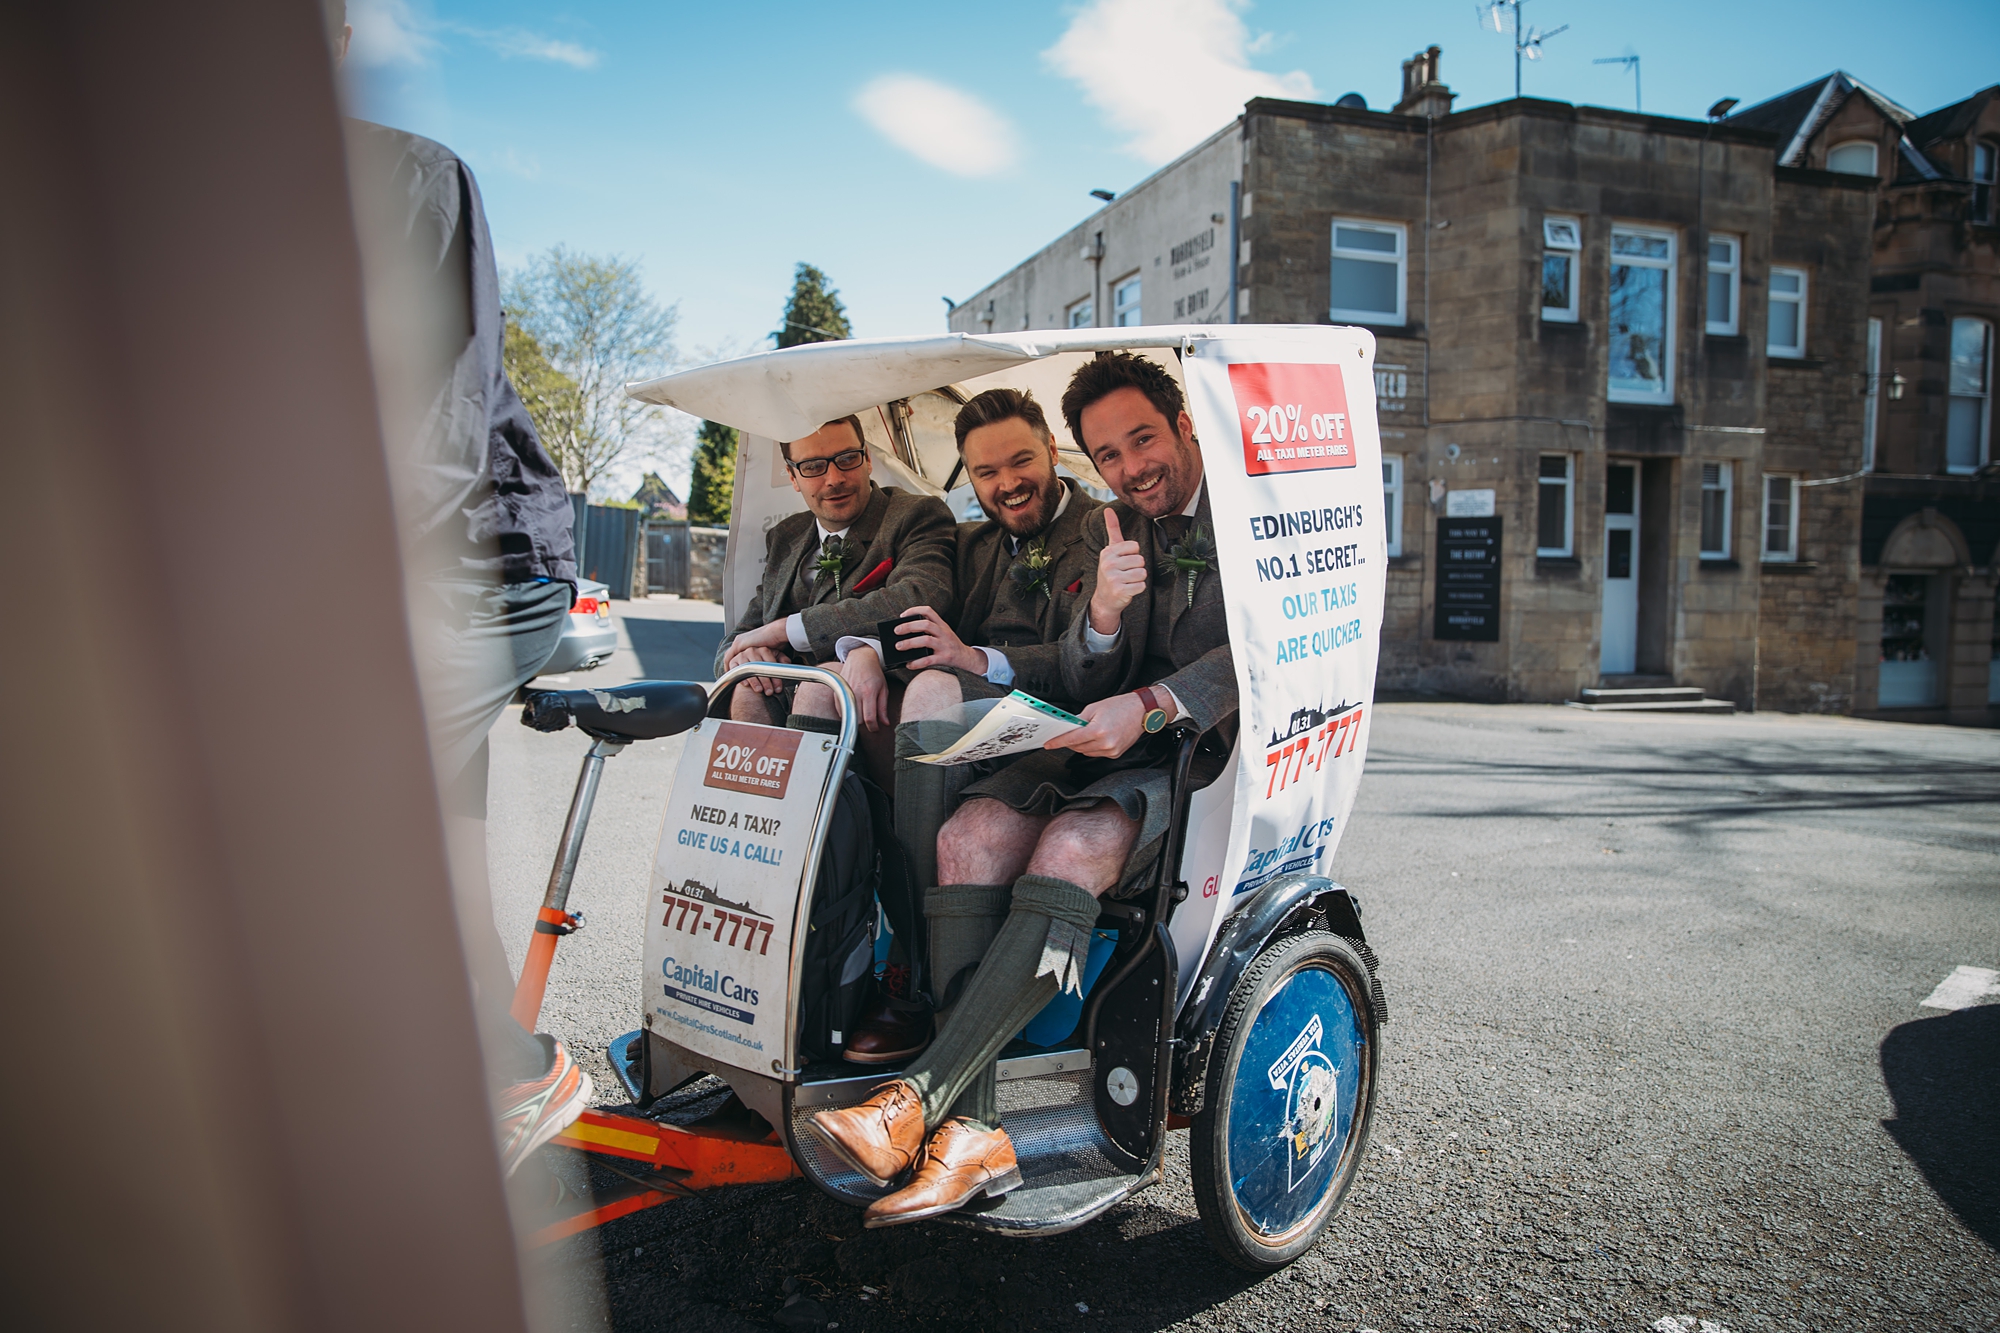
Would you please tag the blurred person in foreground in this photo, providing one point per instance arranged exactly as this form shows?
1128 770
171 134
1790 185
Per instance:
489 560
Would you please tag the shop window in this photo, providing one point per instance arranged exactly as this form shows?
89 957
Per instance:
1725 283
1781 518
1909 676
1125 303
1641 316
1985 161
1555 510
1370 262
1716 479
1970 420
1562 239
1786 334
1856 158
1392 501
1082 315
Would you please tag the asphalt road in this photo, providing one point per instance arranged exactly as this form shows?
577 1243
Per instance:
1657 1051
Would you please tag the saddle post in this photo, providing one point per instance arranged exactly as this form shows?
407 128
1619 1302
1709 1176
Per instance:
555 920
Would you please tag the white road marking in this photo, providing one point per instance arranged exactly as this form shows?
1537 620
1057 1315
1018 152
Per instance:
1687 1323
1965 987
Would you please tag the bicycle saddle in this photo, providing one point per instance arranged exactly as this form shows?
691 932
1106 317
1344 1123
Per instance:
645 710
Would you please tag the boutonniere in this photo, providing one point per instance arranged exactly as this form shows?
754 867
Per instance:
872 580
832 552
1191 557
1031 572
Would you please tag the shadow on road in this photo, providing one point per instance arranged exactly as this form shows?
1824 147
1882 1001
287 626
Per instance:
1942 1073
674 649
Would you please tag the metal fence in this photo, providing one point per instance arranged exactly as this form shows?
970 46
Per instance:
609 545
667 549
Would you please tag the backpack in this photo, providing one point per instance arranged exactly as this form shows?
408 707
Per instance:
860 862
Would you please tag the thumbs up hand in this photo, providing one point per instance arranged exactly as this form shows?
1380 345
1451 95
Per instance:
1121 576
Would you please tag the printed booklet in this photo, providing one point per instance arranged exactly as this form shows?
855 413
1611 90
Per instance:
1015 724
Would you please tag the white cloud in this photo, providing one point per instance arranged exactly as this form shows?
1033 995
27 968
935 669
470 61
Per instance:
393 32
1168 73
512 42
951 130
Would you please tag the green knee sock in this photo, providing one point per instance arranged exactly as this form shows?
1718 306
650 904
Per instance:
925 793
964 918
812 722
1012 983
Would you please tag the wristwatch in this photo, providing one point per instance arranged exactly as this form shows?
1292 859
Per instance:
1156 716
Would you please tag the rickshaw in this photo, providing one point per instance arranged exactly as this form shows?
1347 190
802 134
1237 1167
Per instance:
1235 997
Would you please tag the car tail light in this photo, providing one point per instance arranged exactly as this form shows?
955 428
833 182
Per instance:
585 606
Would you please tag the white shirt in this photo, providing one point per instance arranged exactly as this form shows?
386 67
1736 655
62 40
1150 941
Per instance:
795 624
1104 643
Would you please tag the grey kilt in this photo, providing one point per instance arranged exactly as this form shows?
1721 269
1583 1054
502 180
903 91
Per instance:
1140 781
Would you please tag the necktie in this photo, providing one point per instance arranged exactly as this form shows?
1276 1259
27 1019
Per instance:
1172 528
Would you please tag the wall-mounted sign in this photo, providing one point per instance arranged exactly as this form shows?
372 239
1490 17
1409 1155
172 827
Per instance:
1468 578
1468 504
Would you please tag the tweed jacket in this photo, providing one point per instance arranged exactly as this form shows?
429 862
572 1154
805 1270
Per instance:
1198 665
914 531
994 610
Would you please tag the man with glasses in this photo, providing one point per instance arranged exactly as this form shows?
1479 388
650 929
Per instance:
859 555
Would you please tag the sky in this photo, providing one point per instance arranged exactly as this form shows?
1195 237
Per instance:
918 151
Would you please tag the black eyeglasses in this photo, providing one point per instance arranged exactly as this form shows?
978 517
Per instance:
846 460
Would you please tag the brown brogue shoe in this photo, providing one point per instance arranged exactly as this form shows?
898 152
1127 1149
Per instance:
880 1137
893 1030
961 1163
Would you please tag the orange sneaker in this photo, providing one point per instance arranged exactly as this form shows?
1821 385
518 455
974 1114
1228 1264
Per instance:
536 1110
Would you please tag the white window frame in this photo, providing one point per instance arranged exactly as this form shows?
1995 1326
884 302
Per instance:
1984 445
1392 500
1788 553
1733 269
1874 156
1401 259
1772 347
1665 393
1725 473
1080 314
1871 422
1562 238
1122 308
1567 482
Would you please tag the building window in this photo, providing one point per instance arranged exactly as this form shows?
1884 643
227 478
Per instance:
1872 405
1985 163
1369 267
1392 501
1125 303
1970 422
1715 489
1554 511
1641 316
1563 242
1781 518
1786 335
1725 282
1082 315
1909 676
1856 158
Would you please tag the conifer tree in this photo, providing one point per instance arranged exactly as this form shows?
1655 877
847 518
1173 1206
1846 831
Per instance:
814 313
714 485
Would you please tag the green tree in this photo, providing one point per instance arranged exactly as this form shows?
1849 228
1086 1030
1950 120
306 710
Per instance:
814 313
714 486
553 401
596 324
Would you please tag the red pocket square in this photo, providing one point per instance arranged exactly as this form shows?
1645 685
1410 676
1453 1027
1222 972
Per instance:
1074 588
872 580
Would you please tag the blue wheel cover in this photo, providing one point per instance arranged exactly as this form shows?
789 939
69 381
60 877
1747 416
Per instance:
1292 1101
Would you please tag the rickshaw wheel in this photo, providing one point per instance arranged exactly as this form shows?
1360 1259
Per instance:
1291 1091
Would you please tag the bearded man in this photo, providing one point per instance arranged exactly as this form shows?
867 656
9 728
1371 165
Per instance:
1050 834
1022 574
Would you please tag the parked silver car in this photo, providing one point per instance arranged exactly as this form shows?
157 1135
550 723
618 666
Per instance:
591 635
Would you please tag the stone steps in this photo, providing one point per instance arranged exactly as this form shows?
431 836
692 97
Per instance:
1650 699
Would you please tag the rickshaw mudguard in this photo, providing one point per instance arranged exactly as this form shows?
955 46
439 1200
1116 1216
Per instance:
1283 905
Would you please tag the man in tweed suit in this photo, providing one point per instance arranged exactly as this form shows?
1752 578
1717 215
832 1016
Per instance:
858 555
1045 837
1022 575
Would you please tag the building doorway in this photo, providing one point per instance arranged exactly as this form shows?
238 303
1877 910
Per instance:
1619 653
1909 625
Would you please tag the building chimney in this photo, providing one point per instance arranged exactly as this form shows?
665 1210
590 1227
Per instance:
1424 94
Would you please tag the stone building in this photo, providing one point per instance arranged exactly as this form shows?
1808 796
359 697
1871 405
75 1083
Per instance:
1627 351
1929 536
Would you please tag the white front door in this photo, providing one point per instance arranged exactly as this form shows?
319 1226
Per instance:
1621 570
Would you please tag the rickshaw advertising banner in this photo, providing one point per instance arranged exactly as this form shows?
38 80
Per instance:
726 882
1293 460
